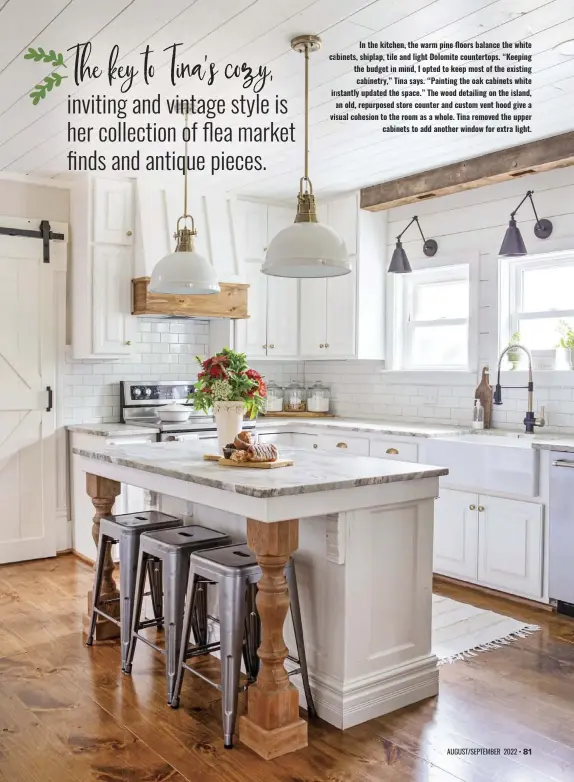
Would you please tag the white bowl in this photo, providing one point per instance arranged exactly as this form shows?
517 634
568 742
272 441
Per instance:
173 413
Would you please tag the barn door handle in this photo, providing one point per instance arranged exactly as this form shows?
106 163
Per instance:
50 398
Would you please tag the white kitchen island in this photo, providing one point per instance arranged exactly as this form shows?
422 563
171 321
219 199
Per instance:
364 566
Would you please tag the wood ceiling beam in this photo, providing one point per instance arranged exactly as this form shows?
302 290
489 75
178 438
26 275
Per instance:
543 155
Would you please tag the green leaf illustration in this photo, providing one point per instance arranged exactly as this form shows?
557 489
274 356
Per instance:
40 55
46 85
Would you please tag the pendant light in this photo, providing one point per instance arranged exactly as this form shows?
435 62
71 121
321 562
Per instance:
184 271
306 248
399 261
513 243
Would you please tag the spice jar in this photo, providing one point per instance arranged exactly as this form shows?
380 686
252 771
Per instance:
294 398
274 398
318 398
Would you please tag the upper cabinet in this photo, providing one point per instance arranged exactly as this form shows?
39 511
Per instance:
102 221
273 326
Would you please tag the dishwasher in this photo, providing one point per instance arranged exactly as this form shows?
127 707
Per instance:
561 533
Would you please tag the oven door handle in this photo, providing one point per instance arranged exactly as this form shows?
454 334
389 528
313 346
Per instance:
563 463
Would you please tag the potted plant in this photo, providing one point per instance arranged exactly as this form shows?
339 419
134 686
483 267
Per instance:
514 355
566 342
227 386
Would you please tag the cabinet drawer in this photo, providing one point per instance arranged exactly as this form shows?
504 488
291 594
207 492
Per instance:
389 449
280 439
343 443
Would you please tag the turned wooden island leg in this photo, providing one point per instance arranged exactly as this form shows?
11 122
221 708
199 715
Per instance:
272 726
103 493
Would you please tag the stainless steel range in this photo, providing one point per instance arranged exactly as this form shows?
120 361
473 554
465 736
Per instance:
140 401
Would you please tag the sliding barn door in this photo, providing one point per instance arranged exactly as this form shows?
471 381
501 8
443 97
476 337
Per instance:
27 368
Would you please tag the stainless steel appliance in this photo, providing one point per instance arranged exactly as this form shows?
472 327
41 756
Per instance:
140 400
561 530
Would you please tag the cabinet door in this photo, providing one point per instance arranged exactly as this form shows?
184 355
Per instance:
342 217
254 330
113 211
510 546
282 317
253 230
113 323
313 320
456 534
341 299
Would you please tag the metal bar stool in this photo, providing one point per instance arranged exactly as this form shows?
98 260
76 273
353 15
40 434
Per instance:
235 570
126 530
173 548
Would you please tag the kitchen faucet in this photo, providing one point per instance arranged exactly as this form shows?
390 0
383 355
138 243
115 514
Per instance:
530 420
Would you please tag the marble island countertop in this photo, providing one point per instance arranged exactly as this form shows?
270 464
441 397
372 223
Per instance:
371 426
559 443
311 472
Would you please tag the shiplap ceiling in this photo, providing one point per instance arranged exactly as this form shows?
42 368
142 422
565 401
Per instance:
33 139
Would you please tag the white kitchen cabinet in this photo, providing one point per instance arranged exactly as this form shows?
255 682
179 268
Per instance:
394 449
102 222
492 541
313 322
344 443
113 211
272 328
510 545
456 534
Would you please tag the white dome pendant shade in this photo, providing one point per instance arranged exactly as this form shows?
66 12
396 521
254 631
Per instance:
306 248
184 271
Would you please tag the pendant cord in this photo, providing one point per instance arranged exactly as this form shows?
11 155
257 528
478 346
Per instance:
306 114
185 163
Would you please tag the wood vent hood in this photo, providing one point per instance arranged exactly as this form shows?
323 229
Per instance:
231 302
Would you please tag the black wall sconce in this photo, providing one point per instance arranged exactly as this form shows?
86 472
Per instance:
399 261
513 243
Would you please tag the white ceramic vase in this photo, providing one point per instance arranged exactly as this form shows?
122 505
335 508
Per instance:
229 421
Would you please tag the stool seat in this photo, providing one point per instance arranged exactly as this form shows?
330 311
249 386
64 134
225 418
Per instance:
144 521
190 537
227 560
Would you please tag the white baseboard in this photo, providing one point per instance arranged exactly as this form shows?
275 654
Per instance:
345 705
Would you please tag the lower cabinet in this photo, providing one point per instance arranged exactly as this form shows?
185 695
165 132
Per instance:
491 541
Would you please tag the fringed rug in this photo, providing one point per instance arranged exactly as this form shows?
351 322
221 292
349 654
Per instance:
460 631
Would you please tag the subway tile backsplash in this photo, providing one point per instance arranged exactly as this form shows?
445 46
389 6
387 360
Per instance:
166 350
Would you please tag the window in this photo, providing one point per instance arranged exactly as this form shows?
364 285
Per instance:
435 317
541 294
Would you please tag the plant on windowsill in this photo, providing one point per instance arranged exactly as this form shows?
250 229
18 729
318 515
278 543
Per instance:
514 355
566 343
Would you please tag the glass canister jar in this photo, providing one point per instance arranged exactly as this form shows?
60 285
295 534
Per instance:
318 398
274 398
295 398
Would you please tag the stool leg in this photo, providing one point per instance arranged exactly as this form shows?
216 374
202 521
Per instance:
190 599
298 631
129 549
155 578
232 626
137 609
98 576
176 571
199 616
252 634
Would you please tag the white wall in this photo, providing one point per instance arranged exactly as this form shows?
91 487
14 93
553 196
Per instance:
468 226
22 199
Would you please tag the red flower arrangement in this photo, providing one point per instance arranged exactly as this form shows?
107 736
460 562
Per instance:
226 377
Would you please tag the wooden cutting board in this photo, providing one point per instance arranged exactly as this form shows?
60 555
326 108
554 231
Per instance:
209 457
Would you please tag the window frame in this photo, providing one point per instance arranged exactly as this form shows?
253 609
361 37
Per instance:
515 292
446 268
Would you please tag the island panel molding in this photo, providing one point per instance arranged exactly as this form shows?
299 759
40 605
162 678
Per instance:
272 726
103 493
230 302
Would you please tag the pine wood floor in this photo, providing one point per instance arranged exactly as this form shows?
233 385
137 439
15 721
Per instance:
67 714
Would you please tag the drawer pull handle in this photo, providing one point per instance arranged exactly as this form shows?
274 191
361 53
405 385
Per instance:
562 463
392 451
480 508
472 507
342 445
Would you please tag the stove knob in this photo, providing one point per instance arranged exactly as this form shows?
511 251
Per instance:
147 391
137 392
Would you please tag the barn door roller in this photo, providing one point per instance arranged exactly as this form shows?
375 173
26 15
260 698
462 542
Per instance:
44 233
